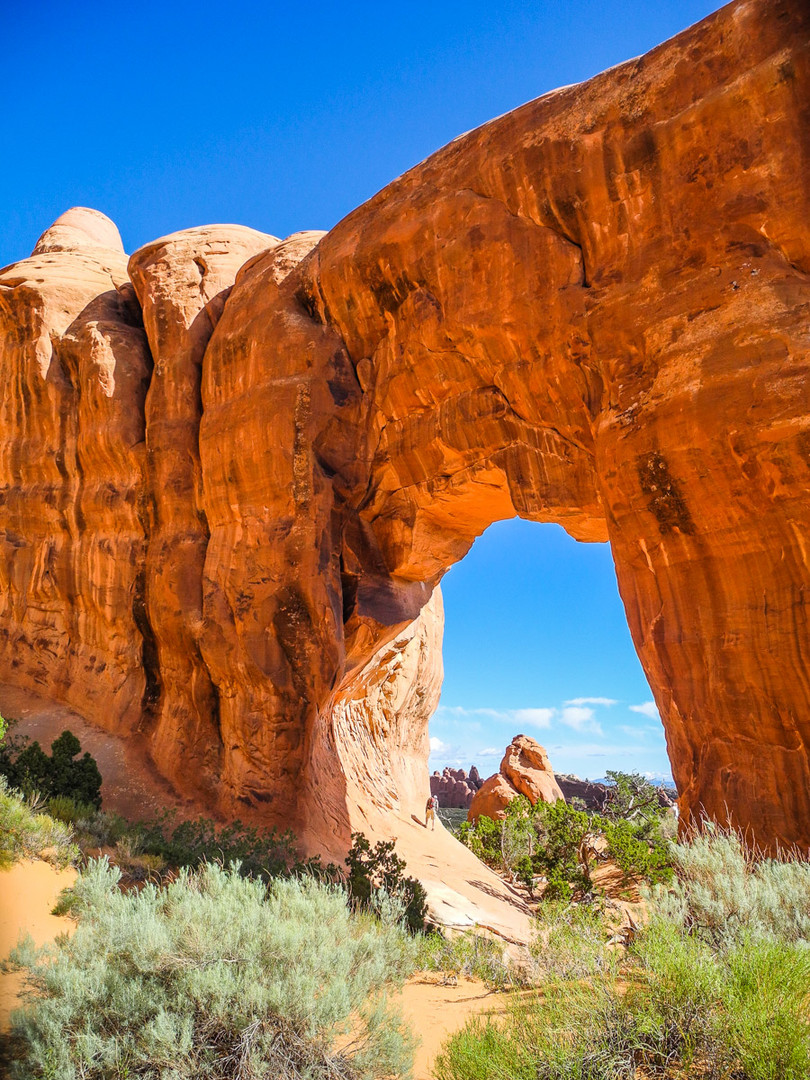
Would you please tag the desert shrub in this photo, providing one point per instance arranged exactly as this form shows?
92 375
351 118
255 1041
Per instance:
518 841
550 840
468 954
724 889
762 1022
536 1040
483 838
686 1011
691 1000
66 809
643 855
102 829
24 833
263 854
631 797
570 941
215 976
375 872
561 831
26 766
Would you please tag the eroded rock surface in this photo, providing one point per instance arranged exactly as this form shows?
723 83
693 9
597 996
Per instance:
525 770
230 490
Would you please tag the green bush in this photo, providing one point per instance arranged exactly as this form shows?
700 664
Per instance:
26 766
692 999
551 840
639 856
103 829
24 833
686 1012
376 875
263 854
723 890
215 976
483 838
468 954
570 941
68 810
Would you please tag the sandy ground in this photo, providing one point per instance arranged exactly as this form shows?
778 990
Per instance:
28 892
434 1011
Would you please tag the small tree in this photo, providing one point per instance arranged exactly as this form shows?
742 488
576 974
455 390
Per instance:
631 797
372 869
26 766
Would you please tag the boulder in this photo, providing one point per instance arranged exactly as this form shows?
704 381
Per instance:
525 770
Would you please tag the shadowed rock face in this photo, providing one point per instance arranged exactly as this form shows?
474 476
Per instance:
591 311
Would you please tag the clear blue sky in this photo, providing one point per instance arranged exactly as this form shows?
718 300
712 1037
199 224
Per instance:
284 117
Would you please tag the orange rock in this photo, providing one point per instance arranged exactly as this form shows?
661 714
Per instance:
76 368
182 282
492 799
590 311
525 770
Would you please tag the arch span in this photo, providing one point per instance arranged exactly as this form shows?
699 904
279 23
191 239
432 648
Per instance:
591 312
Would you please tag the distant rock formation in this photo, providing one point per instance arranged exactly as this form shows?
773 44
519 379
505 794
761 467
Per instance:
525 770
455 788
593 794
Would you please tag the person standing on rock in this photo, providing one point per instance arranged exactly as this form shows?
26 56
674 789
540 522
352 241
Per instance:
430 811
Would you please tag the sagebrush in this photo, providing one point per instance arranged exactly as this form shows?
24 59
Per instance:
214 976
715 987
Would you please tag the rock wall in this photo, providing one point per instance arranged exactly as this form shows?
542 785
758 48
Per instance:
232 476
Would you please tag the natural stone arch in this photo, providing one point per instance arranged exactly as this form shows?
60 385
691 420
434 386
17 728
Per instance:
591 311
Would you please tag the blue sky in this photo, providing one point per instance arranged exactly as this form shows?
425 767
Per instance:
284 117
536 643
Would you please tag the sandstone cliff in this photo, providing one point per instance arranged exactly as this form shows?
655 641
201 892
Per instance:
233 474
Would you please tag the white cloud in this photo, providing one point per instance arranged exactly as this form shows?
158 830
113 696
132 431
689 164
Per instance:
490 751
647 708
535 717
628 729
460 710
606 701
580 718
437 746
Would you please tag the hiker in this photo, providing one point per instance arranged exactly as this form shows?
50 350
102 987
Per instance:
430 811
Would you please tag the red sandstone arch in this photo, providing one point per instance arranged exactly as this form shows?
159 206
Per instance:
591 311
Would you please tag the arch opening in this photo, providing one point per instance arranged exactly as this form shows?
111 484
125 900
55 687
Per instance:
536 642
